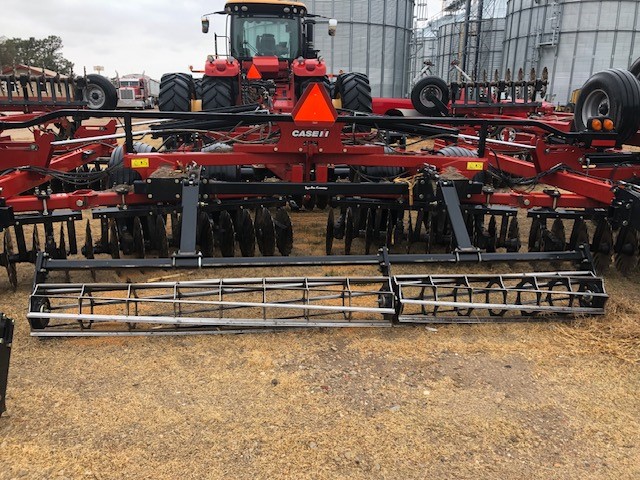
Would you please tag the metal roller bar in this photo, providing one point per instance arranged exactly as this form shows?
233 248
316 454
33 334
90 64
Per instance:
311 302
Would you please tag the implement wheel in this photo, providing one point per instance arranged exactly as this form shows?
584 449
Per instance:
100 94
176 92
429 86
217 93
613 93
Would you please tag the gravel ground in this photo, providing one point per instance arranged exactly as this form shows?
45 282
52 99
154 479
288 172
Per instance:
491 401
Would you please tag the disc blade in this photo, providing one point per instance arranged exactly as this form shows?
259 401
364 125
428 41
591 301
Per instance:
138 239
10 265
88 249
246 234
284 232
226 234
265 233
161 241
328 240
114 239
349 231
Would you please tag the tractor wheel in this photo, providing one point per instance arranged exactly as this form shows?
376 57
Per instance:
303 83
354 91
635 68
217 93
176 92
99 93
197 83
429 86
613 93
118 174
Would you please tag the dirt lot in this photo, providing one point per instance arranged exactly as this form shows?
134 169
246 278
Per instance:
513 401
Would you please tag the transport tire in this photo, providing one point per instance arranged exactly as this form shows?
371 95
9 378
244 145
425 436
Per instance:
118 174
304 82
99 93
613 93
217 93
429 85
456 151
176 92
635 68
355 92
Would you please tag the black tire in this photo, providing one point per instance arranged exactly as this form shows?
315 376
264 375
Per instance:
118 174
434 85
198 86
635 68
456 151
217 93
381 173
304 82
354 91
100 93
176 92
613 93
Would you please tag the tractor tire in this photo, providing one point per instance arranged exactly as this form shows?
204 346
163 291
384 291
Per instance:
176 92
217 93
635 68
429 85
99 93
118 174
303 83
198 86
613 93
354 91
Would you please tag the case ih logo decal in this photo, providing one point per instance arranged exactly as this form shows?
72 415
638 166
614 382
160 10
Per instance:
310 133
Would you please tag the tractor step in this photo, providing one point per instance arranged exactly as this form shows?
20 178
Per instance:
249 304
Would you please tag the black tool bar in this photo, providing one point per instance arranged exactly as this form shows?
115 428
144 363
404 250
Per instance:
46 264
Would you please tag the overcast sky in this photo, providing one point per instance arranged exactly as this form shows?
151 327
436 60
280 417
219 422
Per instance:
127 36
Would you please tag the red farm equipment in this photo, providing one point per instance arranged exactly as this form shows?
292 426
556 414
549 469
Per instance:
223 188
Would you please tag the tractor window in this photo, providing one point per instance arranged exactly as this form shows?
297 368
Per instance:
265 36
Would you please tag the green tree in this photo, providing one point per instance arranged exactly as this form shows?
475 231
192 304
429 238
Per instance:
37 52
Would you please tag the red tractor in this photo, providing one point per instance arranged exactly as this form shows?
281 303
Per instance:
271 62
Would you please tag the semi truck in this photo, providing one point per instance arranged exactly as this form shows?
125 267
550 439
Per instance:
137 91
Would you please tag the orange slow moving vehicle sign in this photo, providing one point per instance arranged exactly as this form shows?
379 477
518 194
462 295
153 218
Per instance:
254 73
314 108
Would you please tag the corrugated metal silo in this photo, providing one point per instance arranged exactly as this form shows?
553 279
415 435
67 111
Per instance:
373 38
572 38
451 46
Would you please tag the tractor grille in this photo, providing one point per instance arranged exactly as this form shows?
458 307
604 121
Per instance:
127 94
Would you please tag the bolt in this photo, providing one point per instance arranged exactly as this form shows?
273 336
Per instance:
275 149
468 195
527 203
150 196
79 203
148 180
344 150
321 150
177 180
300 149
625 223
177 195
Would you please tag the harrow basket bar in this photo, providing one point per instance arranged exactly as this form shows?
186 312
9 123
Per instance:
250 303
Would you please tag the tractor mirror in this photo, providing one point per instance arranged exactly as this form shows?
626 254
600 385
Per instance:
333 26
205 24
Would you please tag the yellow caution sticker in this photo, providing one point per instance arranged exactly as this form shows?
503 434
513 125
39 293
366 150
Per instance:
475 165
139 163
